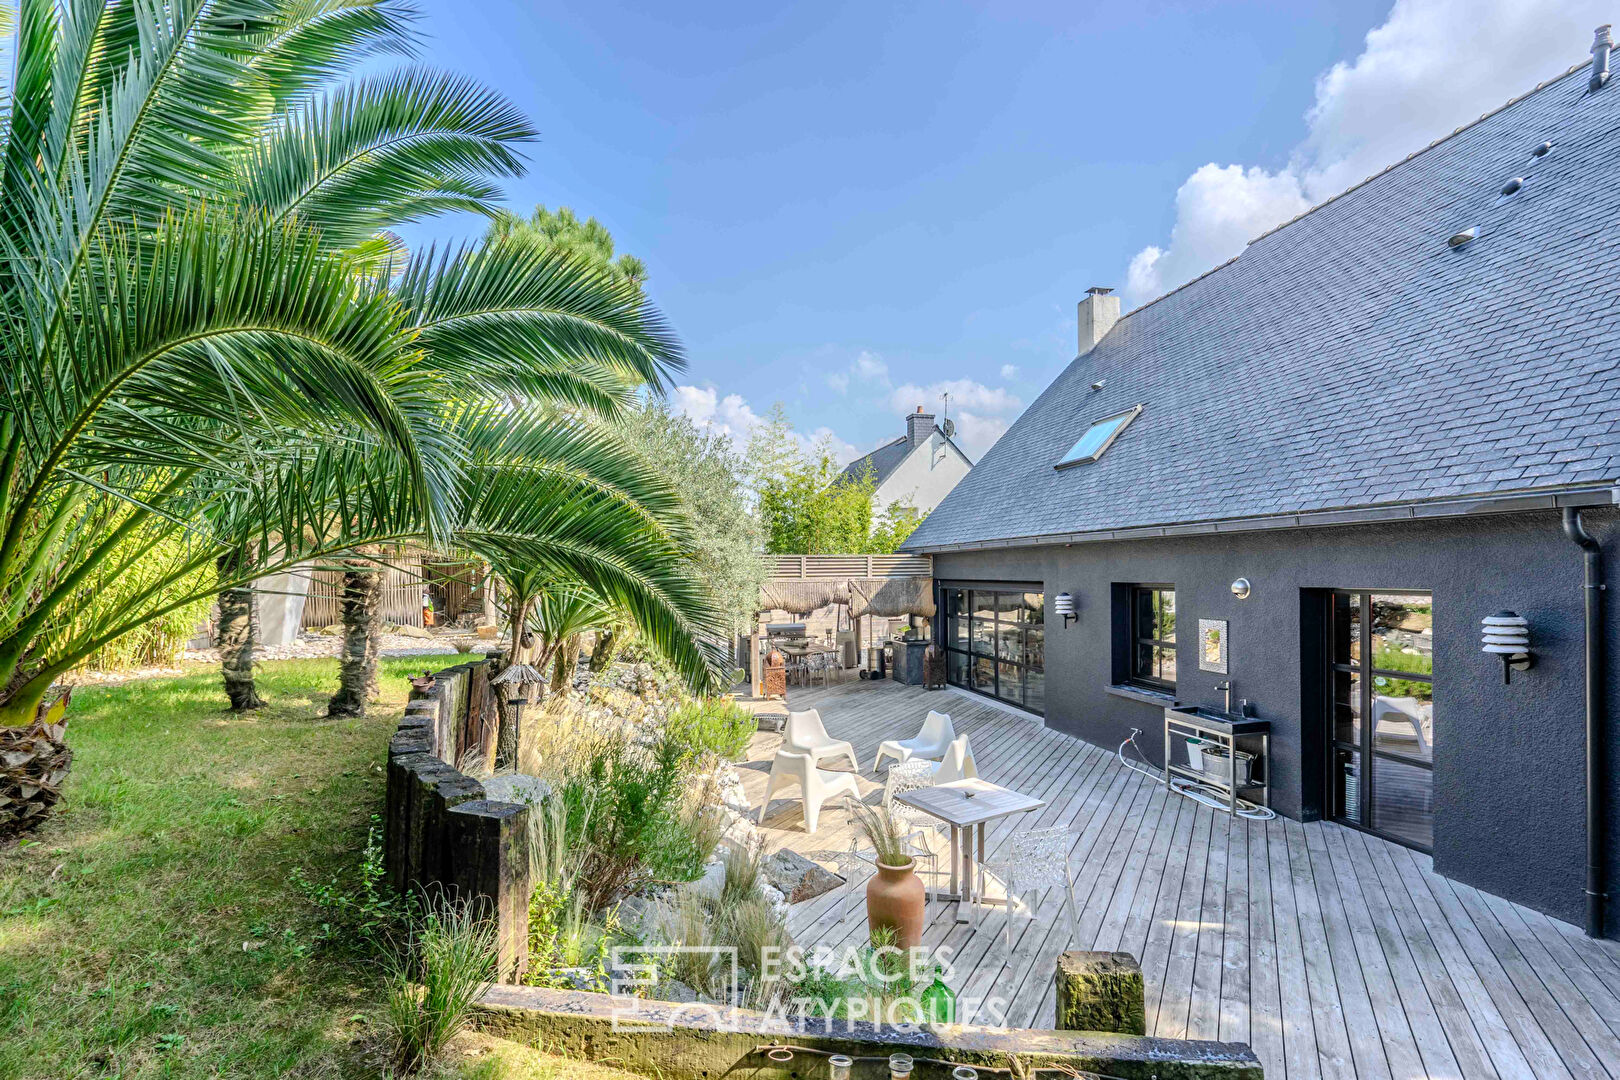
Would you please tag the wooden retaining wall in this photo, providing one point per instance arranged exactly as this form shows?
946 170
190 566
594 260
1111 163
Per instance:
440 834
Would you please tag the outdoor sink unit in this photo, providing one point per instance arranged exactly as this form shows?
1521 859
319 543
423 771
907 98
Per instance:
1240 745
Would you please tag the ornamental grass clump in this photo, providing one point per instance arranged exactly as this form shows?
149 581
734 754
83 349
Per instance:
886 833
437 978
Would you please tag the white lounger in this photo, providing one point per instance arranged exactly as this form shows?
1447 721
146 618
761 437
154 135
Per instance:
805 734
931 742
816 786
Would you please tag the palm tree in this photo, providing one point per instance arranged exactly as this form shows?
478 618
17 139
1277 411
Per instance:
204 355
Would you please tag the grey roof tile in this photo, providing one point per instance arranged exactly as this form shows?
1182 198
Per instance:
1350 358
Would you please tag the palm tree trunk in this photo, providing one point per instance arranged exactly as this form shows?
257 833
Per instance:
235 637
362 625
565 664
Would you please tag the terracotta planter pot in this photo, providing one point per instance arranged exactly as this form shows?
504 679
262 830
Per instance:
895 897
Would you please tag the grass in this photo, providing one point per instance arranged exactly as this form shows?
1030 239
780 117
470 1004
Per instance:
152 928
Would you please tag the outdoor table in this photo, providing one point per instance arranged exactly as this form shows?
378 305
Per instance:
964 805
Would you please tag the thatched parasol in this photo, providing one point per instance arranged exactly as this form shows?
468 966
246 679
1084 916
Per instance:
891 598
802 597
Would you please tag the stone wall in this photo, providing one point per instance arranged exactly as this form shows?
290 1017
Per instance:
441 835
695 1042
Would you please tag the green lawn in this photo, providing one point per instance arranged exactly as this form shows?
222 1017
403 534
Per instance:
151 928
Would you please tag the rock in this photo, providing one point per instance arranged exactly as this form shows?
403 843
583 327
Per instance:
711 883
1100 991
487 632
413 632
797 877
516 788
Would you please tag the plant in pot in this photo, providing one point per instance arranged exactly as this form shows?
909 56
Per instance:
895 895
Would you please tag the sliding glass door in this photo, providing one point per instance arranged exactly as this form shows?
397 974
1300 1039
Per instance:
995 643
1382 714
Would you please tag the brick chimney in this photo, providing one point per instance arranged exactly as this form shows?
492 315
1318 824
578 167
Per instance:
1099 311
919 425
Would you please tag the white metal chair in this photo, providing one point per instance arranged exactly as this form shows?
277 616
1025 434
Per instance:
931 742
816 786
923 830
804 733
1034 859
958 763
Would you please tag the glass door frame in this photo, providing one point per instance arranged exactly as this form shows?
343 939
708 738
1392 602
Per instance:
968 656
1366 748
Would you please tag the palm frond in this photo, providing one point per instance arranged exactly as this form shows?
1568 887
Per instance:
360 159
514 310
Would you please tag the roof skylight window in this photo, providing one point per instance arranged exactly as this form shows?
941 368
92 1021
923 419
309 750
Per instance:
1098 438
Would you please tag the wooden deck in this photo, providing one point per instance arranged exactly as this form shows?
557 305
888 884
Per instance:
1331 952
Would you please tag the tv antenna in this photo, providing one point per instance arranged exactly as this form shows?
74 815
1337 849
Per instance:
948 426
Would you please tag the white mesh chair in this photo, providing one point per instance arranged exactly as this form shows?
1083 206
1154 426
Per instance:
804 733
816 786
958 763
931 742
1035 859
923 831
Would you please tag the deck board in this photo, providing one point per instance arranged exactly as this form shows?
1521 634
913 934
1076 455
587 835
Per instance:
1332 952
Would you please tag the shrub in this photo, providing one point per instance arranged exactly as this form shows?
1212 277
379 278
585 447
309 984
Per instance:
717 727
561 935
436 980
366 912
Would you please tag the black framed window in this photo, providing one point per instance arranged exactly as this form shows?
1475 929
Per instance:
1153 636
995 642
1381 713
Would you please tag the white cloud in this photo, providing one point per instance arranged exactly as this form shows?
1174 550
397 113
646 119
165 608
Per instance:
869 367
839 382
981 412
1008 371
1430 67
732 416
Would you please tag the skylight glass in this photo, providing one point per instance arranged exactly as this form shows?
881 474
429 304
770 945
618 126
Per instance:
1098 438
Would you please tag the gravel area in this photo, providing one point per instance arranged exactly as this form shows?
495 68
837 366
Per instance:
309 646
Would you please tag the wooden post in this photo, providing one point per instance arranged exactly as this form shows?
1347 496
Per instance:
756 668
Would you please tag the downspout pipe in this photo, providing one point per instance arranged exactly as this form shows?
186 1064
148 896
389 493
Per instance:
1596 736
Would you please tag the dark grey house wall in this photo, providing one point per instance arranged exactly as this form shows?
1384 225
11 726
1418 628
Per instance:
1509 760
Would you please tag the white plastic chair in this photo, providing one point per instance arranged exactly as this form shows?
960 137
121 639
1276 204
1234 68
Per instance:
931 742
816 786
1034 859
958 763
804 733
923 830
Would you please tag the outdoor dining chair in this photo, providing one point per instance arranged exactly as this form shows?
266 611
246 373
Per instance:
816 786
923 830
931 742
804 733
1035 859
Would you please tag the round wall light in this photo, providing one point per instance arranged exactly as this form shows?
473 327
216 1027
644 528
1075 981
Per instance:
1507 634
1240 588
1063 604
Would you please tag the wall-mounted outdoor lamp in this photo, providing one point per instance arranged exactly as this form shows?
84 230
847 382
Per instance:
1063 604
1240 588
1507 634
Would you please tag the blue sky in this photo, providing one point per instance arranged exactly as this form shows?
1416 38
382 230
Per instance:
849 208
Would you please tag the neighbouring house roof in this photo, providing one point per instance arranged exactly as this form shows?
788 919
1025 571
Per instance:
1351 358
887 458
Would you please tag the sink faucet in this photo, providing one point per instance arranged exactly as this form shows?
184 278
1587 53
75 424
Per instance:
1226 687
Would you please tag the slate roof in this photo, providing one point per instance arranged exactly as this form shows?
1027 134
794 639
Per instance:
882 461
1350 358
887 458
